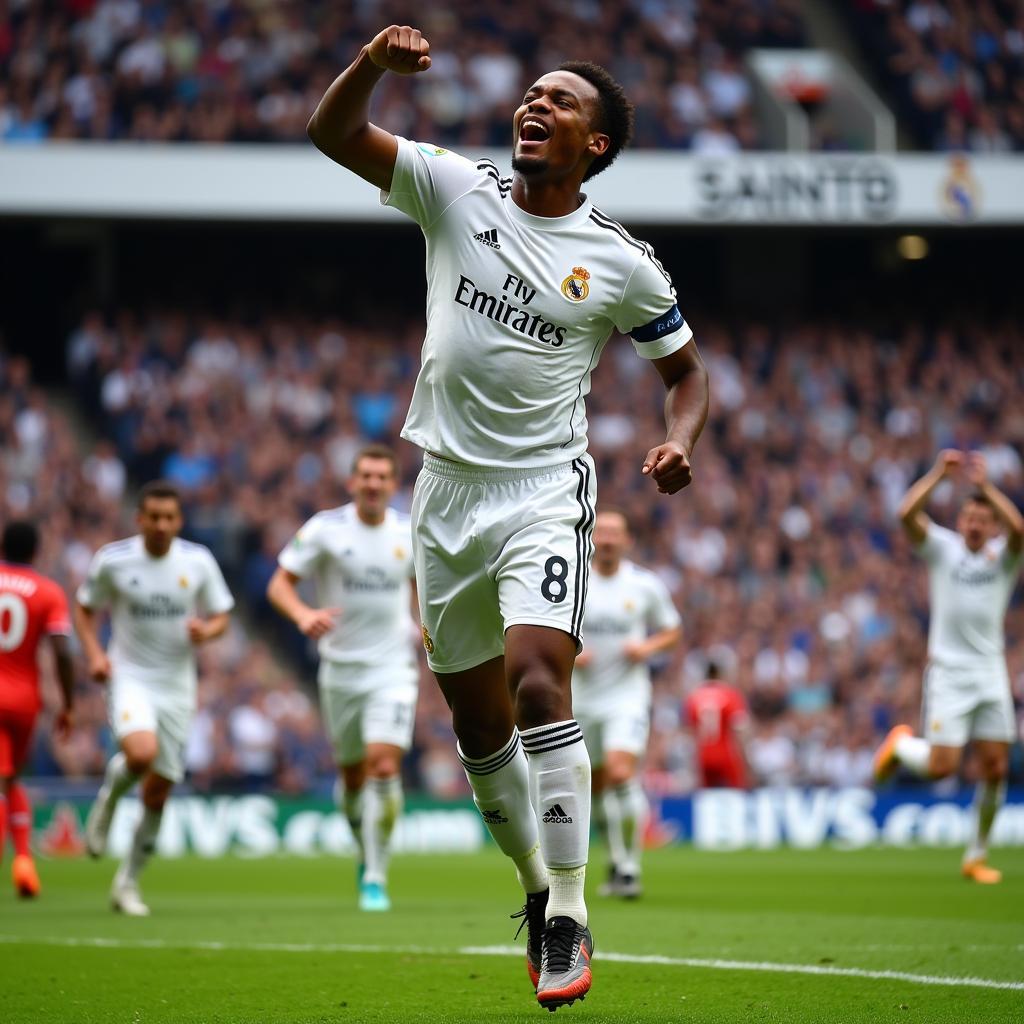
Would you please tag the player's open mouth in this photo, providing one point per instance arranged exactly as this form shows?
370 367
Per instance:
533 131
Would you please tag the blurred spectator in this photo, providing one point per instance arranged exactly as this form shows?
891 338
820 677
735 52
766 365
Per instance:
242 73
785 559
956 68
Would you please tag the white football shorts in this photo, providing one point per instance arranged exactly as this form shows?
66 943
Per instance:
496 548
624 727
140 707
364 704
965 703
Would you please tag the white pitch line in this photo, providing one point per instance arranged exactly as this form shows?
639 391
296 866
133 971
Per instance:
622 958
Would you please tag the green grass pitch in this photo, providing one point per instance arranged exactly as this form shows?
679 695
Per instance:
279 940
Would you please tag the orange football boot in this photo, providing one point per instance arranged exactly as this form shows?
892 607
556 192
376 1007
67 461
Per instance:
885 756
977 870
25 877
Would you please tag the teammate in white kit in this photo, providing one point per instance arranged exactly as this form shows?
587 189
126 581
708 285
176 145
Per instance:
972 573
526 282
360 557
165 596
630 618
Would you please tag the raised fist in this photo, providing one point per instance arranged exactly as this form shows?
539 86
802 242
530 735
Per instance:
400 49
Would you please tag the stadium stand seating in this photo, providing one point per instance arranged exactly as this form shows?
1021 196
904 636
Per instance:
786 554
240 72
955 69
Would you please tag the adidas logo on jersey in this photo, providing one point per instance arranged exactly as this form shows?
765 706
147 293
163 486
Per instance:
554 815
494 817
489 237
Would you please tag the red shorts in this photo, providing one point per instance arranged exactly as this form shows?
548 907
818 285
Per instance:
15 739
723 773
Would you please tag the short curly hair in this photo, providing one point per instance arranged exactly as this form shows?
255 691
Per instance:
616 111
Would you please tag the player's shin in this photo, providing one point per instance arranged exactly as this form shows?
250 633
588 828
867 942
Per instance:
19 816
633 802
560 783
143 844
350 803
382 806
117 780
988 798
612 808
501 791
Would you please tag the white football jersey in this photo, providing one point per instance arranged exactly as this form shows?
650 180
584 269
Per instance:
150 602
621 609
365 571
519 309
970 592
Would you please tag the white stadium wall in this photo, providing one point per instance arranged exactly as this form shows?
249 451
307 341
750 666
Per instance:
295 183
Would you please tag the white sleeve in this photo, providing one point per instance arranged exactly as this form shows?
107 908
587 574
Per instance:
936 543
215 597
427 180
303 551
661 609
95 591
648 311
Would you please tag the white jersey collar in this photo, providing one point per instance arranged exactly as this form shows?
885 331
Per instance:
570 220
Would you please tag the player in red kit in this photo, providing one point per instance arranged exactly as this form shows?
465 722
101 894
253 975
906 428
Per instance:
31 607
717 713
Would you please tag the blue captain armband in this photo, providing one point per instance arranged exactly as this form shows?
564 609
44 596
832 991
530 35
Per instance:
668 322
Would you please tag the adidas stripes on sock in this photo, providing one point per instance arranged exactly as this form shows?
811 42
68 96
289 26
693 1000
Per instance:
560 786
501 792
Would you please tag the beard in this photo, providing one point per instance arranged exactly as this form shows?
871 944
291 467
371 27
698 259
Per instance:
527 165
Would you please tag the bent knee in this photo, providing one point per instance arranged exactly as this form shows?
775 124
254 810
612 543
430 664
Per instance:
541 698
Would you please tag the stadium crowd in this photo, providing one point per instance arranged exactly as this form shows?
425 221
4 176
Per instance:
239 72
956 67
785 557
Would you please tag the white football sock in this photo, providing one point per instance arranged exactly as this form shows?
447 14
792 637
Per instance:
913 752
143 844
633 802
382 807
501 792
988 798
117 779
560 785
350 803
611 805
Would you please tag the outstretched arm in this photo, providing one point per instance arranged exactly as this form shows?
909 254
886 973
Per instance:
340 126
1006 511
911 510
686 409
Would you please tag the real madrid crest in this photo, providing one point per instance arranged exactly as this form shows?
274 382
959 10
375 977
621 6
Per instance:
575 287
428 642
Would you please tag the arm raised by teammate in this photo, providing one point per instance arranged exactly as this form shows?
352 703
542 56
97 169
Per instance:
340 126
686 409
1006 511
911 510
283 595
